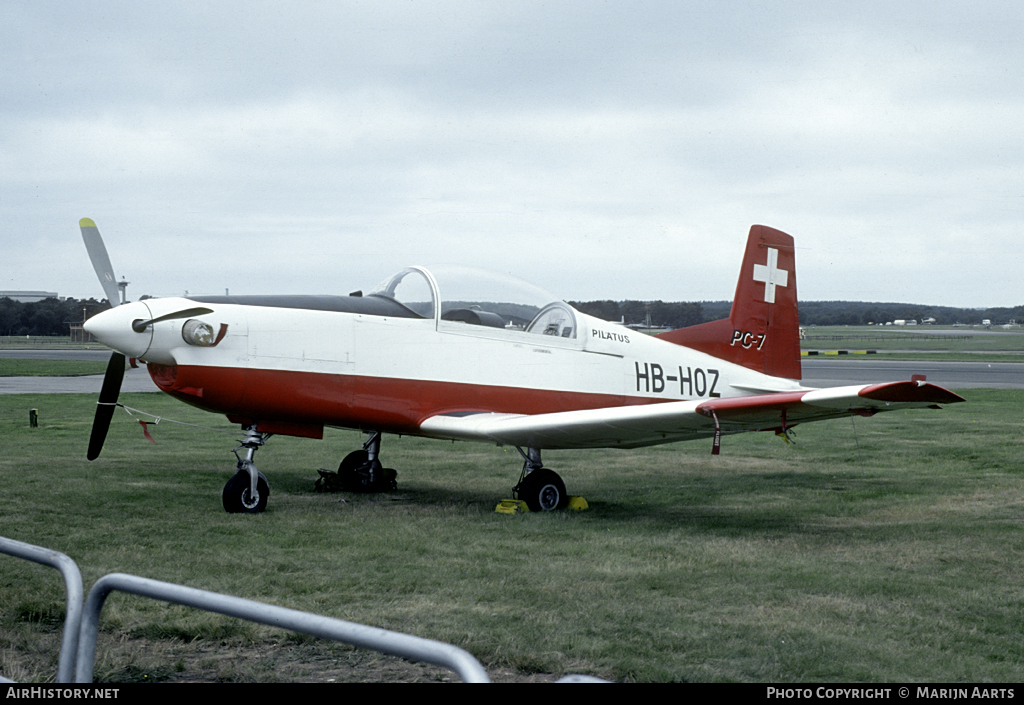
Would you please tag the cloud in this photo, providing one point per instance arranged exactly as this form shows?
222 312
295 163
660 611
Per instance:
604 150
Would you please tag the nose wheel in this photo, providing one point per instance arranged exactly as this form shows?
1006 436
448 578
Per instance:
247 491
238 495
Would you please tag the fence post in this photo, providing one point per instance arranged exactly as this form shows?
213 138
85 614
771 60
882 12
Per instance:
73 587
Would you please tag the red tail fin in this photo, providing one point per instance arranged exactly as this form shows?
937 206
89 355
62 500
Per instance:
763 329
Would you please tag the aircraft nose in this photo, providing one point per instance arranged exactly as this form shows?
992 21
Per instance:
114 329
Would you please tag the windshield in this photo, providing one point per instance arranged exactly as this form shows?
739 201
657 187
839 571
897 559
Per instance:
476 297
411 289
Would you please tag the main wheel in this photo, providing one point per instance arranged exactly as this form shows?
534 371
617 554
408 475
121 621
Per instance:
237 494
355 472
543 491
353 461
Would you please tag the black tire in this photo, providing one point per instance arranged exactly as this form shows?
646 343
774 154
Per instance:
353 461
355 471
543 491
236 494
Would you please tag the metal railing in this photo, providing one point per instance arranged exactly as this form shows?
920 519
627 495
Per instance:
81 624
72 586
388 642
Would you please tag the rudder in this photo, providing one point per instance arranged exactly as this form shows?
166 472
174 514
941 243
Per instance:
762 332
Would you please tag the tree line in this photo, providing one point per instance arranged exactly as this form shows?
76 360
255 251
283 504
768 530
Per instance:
55 316
812 313
46 317
852 313
662 315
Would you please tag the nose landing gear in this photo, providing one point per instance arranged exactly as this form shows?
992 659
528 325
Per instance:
248 490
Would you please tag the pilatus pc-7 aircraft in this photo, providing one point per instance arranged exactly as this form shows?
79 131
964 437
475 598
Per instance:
467 359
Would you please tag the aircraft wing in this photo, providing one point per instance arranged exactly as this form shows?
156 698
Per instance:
651 424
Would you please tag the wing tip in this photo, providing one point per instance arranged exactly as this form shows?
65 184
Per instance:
913 391
86 223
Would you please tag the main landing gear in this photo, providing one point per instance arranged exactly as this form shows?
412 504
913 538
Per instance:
542 489
247 491
361 470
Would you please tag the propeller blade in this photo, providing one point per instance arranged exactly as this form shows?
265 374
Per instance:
100 260
139 325
105 406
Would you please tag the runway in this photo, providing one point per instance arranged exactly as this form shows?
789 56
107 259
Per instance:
59 354
838 372
134 381
831 372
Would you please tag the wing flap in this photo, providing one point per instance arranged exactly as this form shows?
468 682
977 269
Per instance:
623 427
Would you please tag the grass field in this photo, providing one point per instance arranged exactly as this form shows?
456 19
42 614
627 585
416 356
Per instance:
888 549
935 339
50 368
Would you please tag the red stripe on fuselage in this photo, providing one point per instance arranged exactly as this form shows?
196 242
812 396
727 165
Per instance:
386 404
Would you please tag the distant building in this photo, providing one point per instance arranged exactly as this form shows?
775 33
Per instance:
28 297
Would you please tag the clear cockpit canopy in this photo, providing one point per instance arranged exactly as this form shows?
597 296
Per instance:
476 297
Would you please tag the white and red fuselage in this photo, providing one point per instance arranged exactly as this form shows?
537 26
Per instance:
410 358
295 370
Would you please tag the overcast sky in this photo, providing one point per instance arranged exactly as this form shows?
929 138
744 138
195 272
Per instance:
597 149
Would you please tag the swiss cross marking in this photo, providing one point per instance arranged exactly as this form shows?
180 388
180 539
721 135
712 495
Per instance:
770 275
